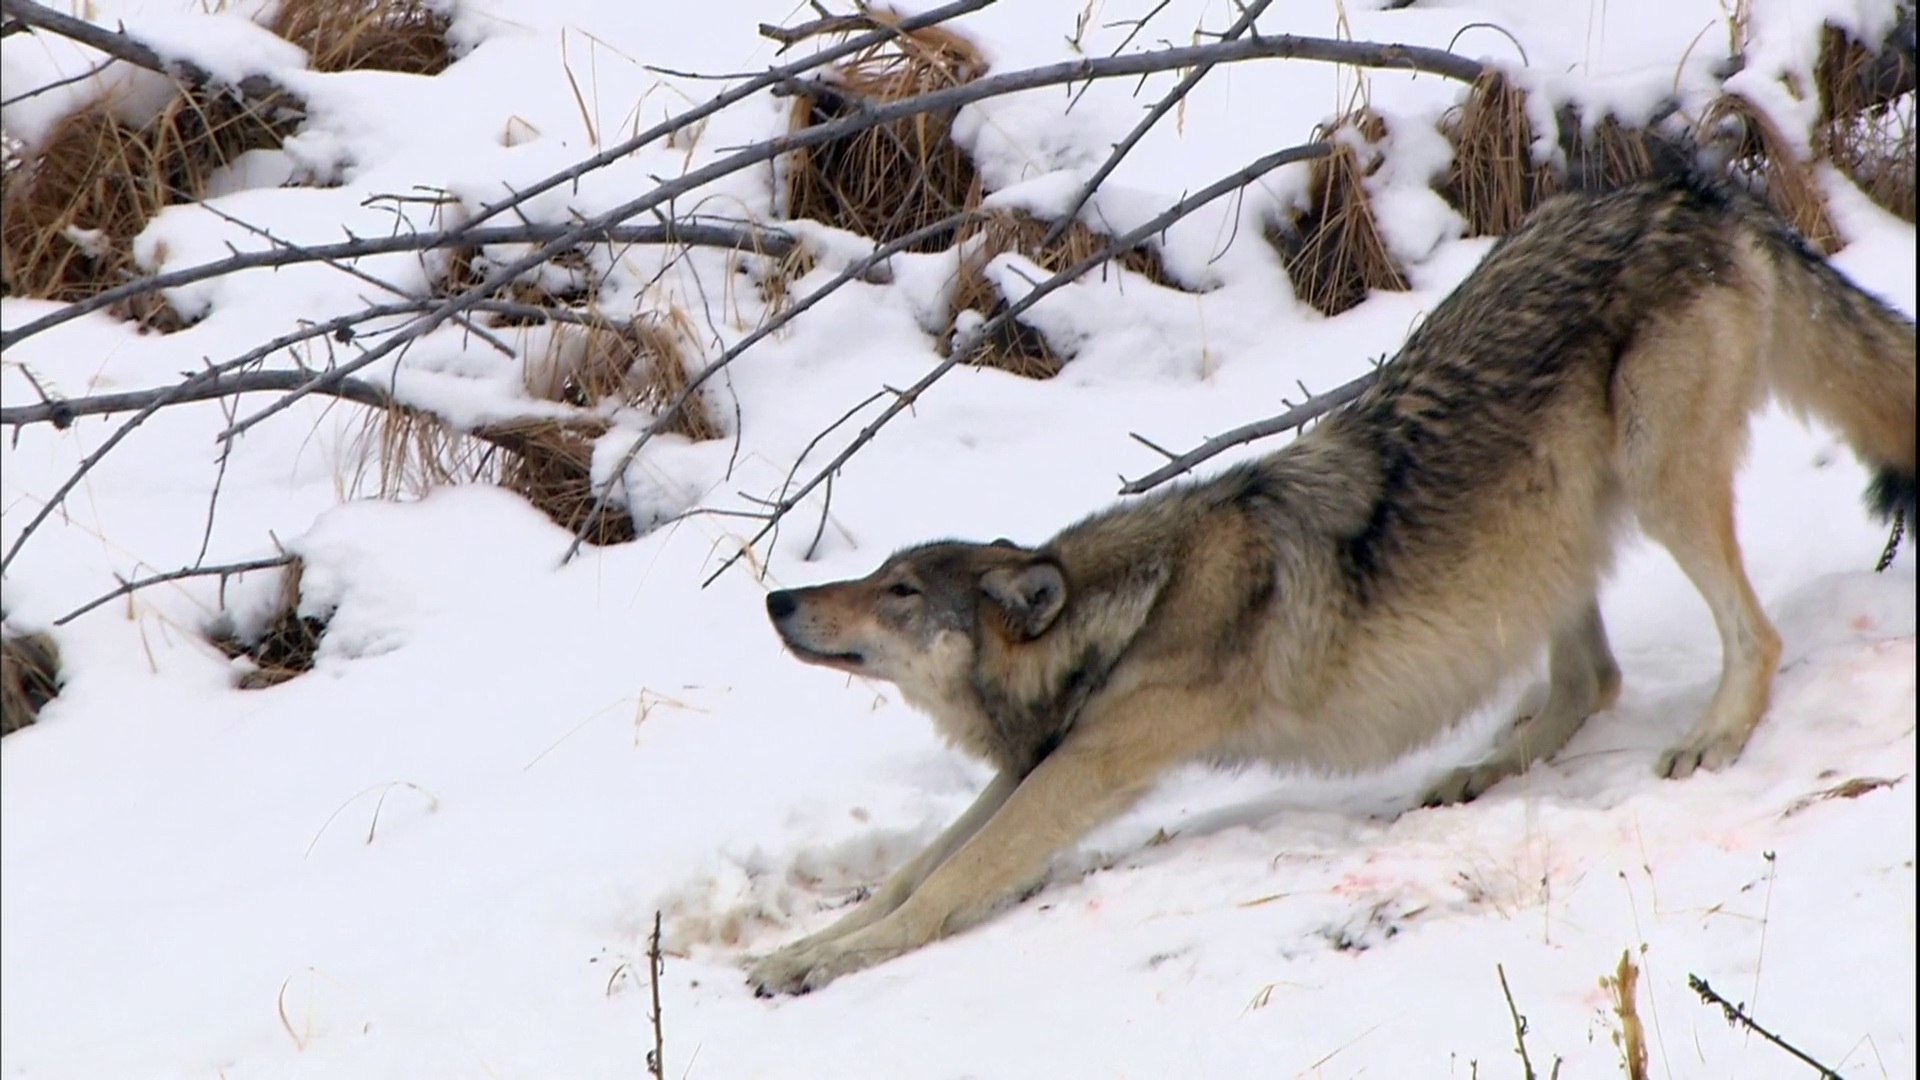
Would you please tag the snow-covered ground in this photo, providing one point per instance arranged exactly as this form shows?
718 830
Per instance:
440 852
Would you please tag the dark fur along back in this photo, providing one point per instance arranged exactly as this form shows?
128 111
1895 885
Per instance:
1553 306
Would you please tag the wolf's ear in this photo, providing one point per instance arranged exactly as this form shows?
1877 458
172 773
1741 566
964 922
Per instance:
1032 595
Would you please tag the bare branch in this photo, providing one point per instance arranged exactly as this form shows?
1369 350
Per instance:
1124 242
118 44
1166 104
857 270
1738 1017
350 270
771 242
1313 407
772 77
1408 57
223 571
208 385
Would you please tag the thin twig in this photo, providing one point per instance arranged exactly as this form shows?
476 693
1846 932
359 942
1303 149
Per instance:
223 571
1736 1016
1300 414
656 966
957 355
58 83
1364 54
1519 1026
1126 145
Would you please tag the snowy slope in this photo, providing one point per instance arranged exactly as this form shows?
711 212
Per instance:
440 853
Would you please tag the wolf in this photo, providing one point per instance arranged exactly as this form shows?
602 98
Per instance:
1346 599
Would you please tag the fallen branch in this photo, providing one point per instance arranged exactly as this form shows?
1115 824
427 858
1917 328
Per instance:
1310 409
960 350
224 571
1364 54
772 242
1738 1018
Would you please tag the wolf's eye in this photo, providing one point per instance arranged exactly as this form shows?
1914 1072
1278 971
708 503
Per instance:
901 588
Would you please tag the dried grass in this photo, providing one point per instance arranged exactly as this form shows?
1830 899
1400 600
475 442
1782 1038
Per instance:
890 180
1610 156
29 678
1494 180
72 209
1762 154
1332 247
643 364
1623 987
285 648
367 35
566 280
1016 347
1864 135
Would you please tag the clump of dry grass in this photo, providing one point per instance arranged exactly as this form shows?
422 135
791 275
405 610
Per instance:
72 208
407 36
1761 153
1610 156
642 364
29 678
1016 347
1494 180
285 647
1332 247
890 180
639 364
1865 131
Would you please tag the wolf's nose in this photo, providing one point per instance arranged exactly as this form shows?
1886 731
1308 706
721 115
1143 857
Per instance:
780 604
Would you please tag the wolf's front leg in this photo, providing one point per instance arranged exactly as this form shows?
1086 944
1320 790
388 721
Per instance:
903 881
1065 796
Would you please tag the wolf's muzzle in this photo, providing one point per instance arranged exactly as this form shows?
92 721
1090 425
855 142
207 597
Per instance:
780 604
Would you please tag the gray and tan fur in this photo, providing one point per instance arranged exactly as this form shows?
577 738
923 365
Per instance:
1344 600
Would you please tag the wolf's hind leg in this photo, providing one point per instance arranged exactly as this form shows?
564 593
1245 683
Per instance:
1582 679
1700 536
1682 402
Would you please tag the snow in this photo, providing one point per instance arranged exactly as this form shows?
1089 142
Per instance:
440 852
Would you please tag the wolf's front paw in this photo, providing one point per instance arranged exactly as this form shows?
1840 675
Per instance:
1465 785
807 966
1709 753
781 972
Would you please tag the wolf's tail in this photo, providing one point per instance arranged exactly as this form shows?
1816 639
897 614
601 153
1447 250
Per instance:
1848 359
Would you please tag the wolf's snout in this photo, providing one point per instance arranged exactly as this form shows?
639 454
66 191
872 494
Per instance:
780 604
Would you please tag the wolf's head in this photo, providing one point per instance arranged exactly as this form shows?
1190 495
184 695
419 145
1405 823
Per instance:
919 620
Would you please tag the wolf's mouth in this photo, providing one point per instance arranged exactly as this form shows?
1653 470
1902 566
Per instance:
827 659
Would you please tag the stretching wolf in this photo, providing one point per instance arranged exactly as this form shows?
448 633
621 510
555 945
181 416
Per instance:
1344 600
